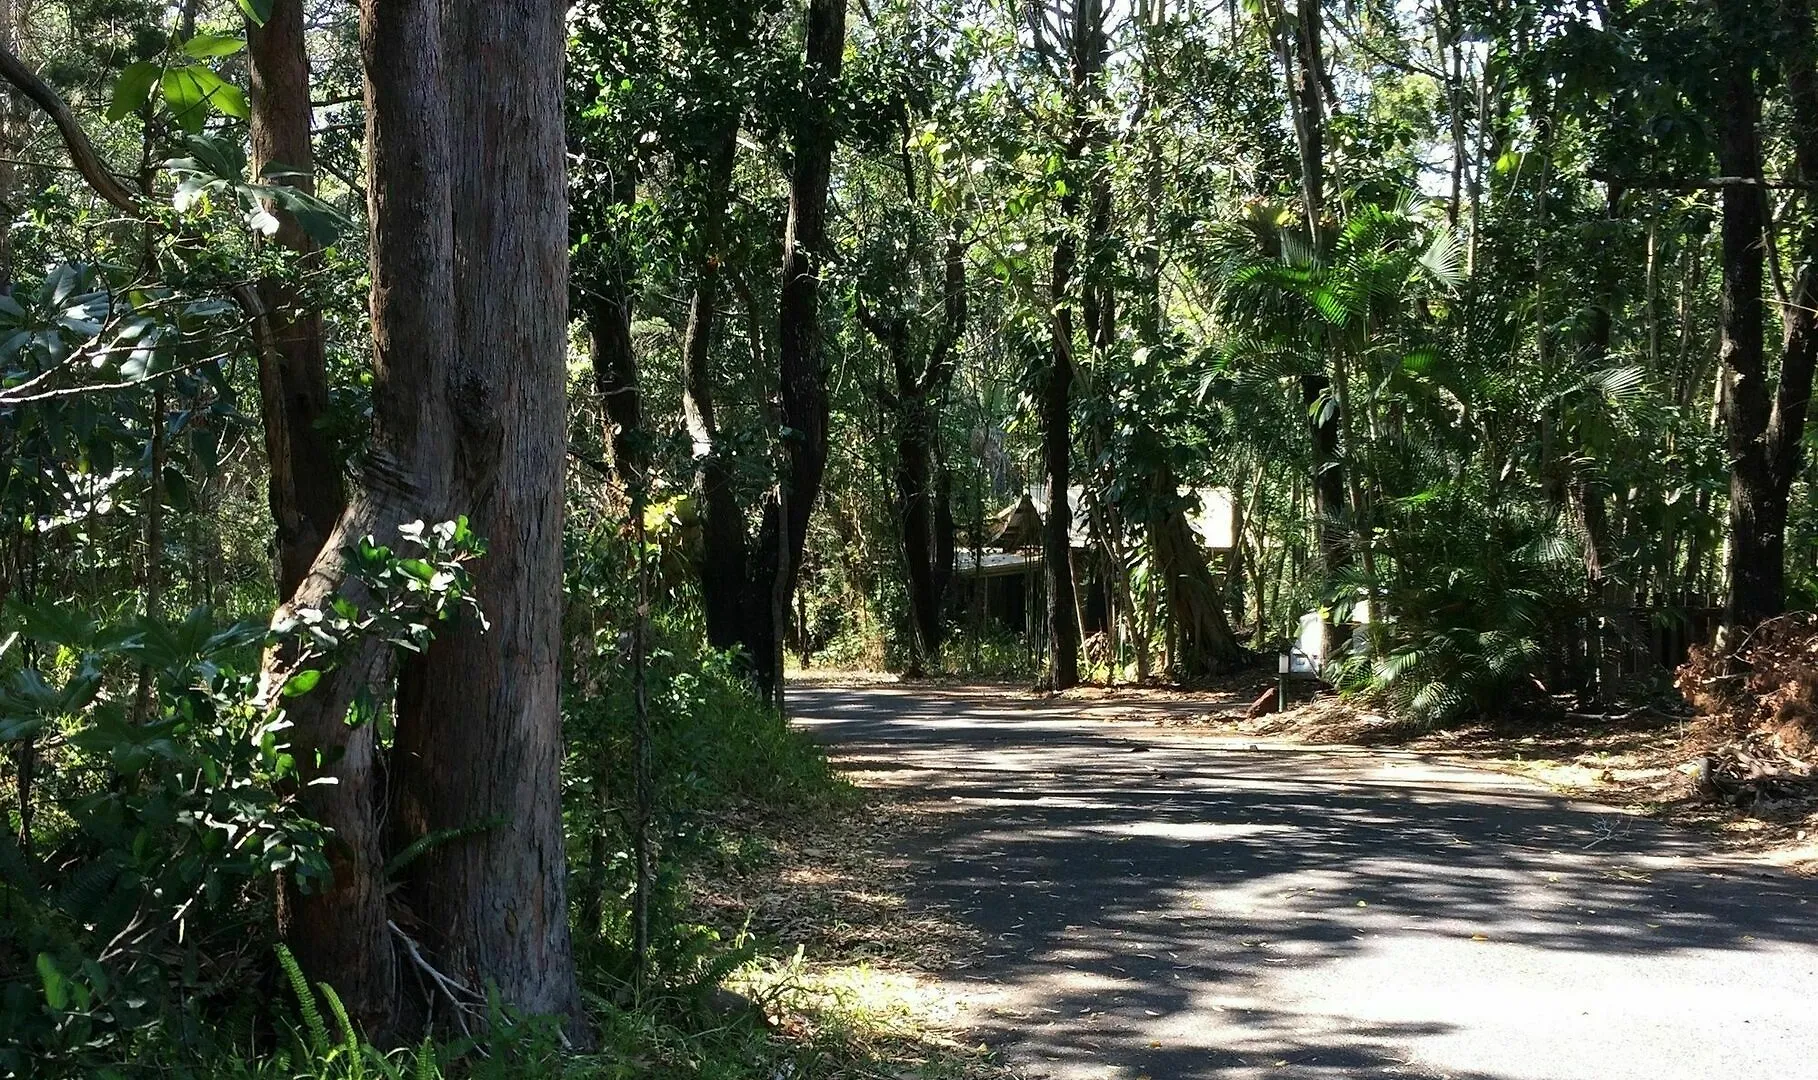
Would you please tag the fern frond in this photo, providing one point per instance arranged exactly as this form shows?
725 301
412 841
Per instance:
306 1003
426 1061
416 849
350 1039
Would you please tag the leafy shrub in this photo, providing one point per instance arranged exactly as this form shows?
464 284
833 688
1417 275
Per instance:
1458 633
716 751
136 882
142 896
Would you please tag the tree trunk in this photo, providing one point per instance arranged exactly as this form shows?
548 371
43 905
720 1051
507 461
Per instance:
723 545
305 488
943 540
1316 393
915 507
608 312
802 376
1057 445
9 154
1203 642
924 505
1757 524
1086 62
924 488
479 741
340 933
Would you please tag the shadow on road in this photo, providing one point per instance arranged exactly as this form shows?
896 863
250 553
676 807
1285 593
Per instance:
1180 907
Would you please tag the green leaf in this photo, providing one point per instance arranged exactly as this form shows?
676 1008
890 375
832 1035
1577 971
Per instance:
231 101
134 88
203 46
56 987
322 222
191 91
184 93
302 683
256 10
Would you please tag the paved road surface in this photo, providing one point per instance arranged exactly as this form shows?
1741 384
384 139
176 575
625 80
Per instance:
1174 907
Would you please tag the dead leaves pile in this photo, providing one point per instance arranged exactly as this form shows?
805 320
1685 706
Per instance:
851 971
832 884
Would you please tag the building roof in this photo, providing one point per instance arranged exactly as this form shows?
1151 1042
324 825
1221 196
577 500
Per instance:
1019 525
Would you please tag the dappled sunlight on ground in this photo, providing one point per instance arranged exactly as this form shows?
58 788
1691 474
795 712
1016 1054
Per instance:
1151 904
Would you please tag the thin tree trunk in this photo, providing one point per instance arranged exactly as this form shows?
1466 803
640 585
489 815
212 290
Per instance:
915 504
10 121
1085 64
1057 442
1316 393
1756 522
608 312
1450 24
723 545
151 581
305 487
801 366
922 484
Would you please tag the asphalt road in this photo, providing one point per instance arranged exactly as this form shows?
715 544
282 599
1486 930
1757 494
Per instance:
1167 906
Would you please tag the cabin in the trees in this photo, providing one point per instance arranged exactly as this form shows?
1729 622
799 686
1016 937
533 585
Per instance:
997 575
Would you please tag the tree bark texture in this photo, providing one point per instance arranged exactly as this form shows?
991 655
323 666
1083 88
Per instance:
340 934
469 326
479 740
1203 642
305 488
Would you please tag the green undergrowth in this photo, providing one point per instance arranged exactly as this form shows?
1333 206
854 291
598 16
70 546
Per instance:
737 791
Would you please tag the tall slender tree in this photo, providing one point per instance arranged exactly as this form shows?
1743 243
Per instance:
1763 418
305 486
479 735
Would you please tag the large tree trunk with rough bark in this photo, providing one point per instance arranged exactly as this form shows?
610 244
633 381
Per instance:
469 332
1203 642
305 488
479 740
341 934
1756 531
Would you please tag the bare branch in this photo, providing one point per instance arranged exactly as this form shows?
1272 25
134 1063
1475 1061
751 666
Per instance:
75 140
